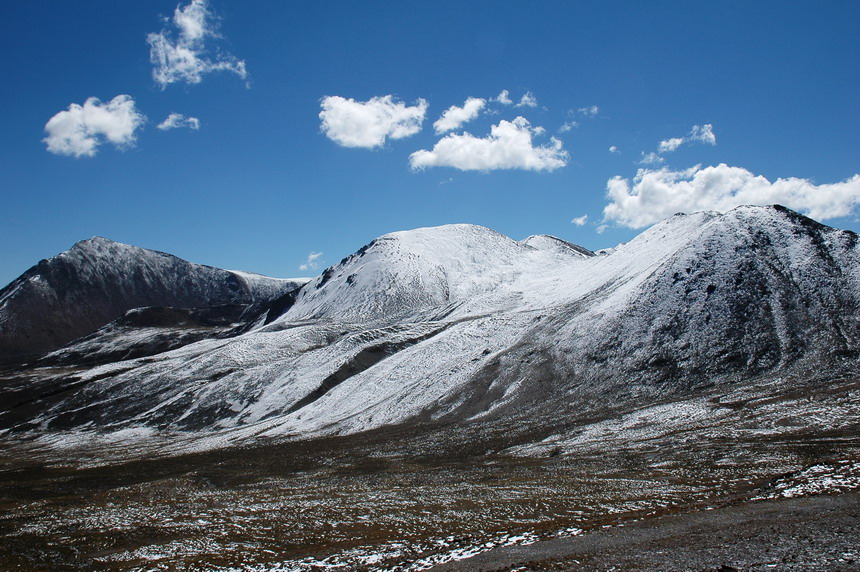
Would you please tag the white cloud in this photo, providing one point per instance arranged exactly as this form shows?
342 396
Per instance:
454 116
651 159
614 149
177 120
580 220
191 20
503 98
509 146
186 59
565 127
368 124
589 111
658 194
527 100
311 262
669 145
79 130
703 134
698 133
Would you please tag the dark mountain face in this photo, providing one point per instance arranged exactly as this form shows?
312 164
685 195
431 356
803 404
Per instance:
751 294
98 280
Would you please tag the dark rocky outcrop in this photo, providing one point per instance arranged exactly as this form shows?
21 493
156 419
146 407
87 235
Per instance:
97 281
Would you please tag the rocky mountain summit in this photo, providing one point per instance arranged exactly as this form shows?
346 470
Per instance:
97 281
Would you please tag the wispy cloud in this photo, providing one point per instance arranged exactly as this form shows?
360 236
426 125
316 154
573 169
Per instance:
509 146
580 220
79 130
651 159
614 149
368 124
311 263
186 58
698 134
703 134
568 126
582 112
454 116
177 120
657 194
528 100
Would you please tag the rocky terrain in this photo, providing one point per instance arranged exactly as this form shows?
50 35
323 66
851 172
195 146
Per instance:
438 395
97 281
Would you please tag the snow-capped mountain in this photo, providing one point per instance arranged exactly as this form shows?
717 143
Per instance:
429 272
459 324
97 281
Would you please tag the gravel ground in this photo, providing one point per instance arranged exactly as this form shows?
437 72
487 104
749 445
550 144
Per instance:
810 533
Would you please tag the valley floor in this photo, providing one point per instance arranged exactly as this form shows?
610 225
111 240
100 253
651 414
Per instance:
396 499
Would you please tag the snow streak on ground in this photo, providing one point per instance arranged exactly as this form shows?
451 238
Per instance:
818 479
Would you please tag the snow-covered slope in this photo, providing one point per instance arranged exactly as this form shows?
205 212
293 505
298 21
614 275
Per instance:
428 272
98 280
460 324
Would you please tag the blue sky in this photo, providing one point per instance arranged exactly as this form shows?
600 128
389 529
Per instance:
629 111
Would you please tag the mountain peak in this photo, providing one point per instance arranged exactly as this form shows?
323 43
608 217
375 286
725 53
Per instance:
98 280
455 231
95 243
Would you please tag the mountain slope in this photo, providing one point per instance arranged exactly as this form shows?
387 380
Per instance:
459 324
98 280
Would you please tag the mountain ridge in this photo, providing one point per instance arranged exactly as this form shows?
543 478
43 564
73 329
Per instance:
460 324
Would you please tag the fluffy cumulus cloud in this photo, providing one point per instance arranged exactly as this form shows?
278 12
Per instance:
614 149
510 145
312 262
454 116
79 130
669 145
368 124
657 194
177 120
186 58
504 98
